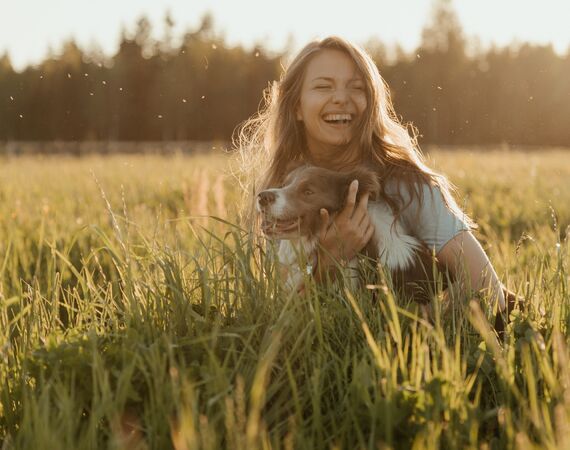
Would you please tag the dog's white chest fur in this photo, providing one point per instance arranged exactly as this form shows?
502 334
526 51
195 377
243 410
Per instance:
396 248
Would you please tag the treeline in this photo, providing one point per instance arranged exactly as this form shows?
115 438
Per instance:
201 88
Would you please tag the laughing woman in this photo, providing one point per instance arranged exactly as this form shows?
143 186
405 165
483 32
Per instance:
331 108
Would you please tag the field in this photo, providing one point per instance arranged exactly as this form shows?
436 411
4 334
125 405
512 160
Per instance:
134 313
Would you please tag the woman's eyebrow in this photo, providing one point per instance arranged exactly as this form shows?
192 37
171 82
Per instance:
331 79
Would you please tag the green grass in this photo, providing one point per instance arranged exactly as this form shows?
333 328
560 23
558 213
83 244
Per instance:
129 319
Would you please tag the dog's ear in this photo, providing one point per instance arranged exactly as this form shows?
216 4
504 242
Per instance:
367 182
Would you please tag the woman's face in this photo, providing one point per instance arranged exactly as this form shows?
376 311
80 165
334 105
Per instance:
333 100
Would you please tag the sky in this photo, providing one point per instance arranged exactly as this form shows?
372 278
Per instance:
28 28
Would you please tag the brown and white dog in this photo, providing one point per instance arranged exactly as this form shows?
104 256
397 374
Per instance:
291 213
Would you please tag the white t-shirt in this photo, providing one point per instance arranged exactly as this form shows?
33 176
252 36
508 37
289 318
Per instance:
433 222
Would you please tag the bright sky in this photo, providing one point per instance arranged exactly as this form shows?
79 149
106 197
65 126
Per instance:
29 27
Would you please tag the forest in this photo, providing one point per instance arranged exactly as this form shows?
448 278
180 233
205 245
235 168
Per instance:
199 88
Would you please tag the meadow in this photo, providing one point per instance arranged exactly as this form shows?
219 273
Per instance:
135 312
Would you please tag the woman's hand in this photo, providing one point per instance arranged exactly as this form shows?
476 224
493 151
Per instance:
348 233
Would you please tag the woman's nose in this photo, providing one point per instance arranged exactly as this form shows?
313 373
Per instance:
340 96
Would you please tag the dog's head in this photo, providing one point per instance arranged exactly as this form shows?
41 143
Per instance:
293 209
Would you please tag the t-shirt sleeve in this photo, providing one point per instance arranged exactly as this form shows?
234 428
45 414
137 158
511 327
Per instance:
432 221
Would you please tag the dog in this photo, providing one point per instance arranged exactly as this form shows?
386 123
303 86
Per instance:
290 213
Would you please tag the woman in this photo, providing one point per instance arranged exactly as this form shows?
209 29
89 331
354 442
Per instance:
331 108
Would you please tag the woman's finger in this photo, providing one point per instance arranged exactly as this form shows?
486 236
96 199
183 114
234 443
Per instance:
369 233
364 222
348 209
324 223
361 211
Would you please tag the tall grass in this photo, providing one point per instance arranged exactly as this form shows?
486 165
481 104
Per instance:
129 319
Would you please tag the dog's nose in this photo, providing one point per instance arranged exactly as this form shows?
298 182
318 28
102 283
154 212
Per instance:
266 198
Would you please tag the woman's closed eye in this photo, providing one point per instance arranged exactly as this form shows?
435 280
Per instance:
357 86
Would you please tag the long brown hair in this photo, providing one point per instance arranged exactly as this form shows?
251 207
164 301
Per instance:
269 141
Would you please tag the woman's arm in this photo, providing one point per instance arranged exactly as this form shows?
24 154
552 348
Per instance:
466 260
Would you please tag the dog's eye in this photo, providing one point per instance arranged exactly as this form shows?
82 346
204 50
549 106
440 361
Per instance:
308 192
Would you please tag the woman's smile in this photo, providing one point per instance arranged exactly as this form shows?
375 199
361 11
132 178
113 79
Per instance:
338 119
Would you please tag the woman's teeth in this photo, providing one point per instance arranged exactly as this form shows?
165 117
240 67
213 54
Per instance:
337 118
